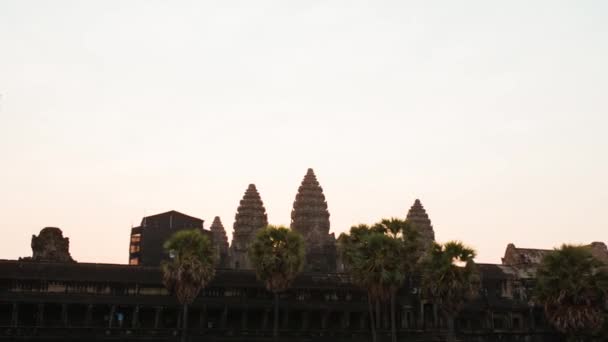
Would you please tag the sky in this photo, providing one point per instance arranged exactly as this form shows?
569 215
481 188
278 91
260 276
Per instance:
493 114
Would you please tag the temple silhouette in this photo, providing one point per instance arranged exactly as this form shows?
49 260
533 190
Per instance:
51 297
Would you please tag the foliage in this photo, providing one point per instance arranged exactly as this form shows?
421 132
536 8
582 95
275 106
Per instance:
379 257
449 276
191 266
572 286
277 254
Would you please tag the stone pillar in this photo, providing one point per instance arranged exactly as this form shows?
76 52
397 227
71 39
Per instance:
285 317
421 318
346 320
531 318
224 317
436 324
88 316
112 312
64 314
203 318
157 315
135 318
324 318
40 315
304 320
244 319
15 315
265 320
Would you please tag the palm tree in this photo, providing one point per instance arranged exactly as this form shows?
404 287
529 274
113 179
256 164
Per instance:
190 268
378 258
572 286
449 278
408 250
277 254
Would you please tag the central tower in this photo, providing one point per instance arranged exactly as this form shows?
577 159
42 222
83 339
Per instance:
310 218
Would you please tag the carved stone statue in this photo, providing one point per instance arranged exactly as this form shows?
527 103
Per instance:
51 246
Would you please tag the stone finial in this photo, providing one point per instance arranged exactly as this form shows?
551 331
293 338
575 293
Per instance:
310 218
419 219
51 246
250 217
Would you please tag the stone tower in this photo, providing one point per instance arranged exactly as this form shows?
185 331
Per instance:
220 242
250 217
418 217
310 218
51 246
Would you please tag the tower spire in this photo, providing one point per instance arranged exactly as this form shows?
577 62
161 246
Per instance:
250 217
220 241
420 221
310 218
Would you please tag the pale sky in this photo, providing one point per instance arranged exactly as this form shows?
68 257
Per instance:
494 114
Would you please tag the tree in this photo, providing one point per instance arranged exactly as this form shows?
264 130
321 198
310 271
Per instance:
277 254
572 287
378 259
190 268
449 278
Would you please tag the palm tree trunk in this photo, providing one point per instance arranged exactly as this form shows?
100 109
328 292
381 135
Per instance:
275 330
393 325
371 317
378 315
451 337
185 323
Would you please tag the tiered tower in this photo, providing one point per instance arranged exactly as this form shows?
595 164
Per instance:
310 218
220 242
419 219
250 217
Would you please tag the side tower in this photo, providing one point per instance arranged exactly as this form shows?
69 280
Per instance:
250 217
310 218
220 242
419 219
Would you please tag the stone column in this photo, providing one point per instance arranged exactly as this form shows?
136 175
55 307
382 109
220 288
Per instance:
88 316
362 320
157 315
111 320
224 317
40 315
531 318
304 320
324 318
203 318
265 320
421 318
135 318
244 319
15 315
285 317
64 314
345 320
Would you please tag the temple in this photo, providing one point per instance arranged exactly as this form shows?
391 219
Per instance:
50 297
310 218
249 219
